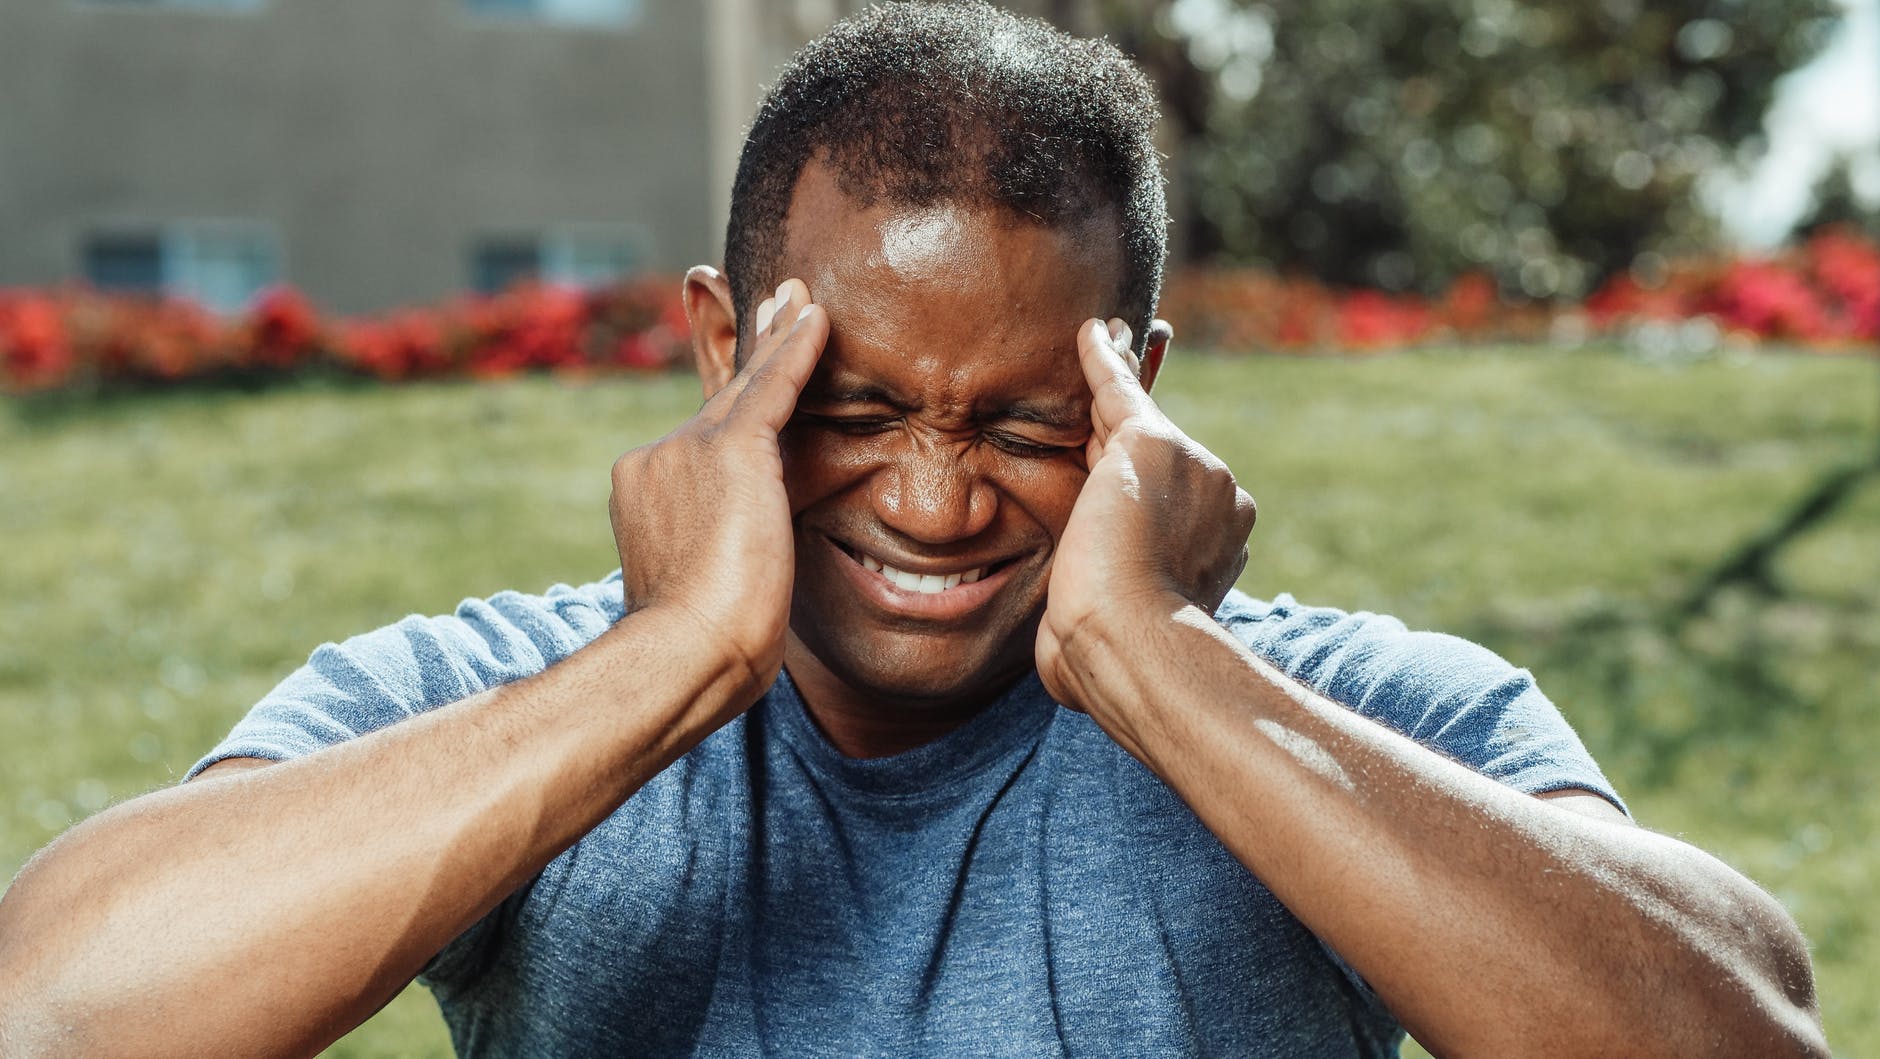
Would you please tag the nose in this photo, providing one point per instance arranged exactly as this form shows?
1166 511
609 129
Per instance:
932 494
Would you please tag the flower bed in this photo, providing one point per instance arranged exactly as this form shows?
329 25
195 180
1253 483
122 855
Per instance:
74 338
1823 294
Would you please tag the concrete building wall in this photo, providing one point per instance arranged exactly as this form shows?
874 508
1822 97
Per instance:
378 138
378 141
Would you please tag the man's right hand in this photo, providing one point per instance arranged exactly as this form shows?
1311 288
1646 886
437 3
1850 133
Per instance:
701 517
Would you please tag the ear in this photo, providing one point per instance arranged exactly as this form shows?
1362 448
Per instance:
714 319
1154 349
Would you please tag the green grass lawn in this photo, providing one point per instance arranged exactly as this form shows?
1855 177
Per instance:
167 559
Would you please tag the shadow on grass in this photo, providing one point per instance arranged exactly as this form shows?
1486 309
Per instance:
1723 663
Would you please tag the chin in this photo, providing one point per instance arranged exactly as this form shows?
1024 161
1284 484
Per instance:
920 668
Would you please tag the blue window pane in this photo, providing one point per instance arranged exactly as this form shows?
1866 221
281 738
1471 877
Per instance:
498 264
566 12
221 266
132 263
503 7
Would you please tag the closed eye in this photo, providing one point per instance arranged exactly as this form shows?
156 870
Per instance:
1025 447
855 424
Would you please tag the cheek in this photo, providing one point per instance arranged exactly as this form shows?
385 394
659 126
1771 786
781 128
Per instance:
818 464
1045 489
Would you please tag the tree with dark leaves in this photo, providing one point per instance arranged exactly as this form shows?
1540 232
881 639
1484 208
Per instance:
1546 142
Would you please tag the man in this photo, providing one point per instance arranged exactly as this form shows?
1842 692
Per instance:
797 781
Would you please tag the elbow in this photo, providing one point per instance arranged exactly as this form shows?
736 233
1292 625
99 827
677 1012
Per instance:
1746 964
1785 1029
1766 1005
1786 982
1791 1011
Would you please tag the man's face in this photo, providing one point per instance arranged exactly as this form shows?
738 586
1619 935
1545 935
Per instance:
936 453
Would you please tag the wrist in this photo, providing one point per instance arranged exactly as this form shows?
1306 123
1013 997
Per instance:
704 679
1121 626
1109 657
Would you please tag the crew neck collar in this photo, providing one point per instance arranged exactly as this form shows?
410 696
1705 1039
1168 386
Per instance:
1008 725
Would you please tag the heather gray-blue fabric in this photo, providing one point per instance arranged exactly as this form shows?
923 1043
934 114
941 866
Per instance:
1021 887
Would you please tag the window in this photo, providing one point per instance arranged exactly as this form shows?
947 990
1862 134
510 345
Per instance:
580 258
182 5
564 12
222 265
499 264
125 263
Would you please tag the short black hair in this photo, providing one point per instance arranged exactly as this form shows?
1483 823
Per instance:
916 104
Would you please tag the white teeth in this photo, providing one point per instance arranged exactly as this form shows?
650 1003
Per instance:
926 584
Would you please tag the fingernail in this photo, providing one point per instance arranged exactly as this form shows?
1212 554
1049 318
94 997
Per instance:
1101 331
765 310
783 293
1121 337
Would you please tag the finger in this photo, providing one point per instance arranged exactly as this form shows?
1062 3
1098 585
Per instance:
1124 343
774 316
1114 390
770 396
780 307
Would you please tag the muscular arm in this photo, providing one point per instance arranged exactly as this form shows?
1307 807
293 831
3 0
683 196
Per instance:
1490 922
266 911
273 909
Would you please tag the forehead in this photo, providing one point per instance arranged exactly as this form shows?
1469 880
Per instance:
964 297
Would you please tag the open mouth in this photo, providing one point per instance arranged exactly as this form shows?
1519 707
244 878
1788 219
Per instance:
926 584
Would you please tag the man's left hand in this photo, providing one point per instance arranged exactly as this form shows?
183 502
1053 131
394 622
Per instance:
1160 522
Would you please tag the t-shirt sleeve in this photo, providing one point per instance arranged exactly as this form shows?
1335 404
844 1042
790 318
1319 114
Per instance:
421 663
1451 695
382 677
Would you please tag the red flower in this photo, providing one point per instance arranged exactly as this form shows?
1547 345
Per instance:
35 351
1849 269
1374 320
1469 305
1769 301
283 330
409 345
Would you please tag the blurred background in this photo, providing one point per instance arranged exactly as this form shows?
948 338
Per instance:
1548 323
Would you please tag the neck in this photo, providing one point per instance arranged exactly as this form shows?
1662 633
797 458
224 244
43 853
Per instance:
863 724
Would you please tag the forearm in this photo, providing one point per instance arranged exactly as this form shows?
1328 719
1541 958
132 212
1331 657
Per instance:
1490 922
278 907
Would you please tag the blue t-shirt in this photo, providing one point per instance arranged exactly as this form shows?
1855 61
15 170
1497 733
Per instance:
1019 887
